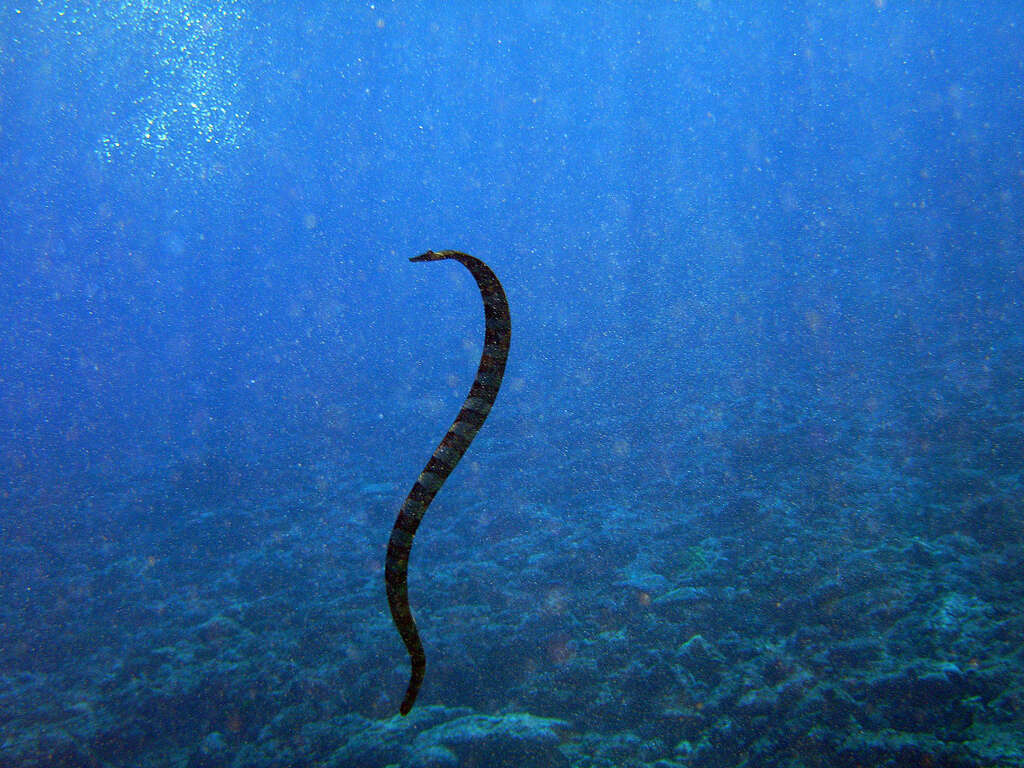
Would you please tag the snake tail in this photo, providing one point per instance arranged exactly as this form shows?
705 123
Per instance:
451 448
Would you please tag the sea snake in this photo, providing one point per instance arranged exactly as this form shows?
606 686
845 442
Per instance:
446 456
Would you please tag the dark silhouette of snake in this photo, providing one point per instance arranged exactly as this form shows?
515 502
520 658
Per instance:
446 456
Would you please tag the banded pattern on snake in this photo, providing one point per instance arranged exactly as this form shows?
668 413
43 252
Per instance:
446 456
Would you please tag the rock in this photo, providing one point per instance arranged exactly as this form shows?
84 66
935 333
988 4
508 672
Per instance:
379 743
433 757
700 658
501 741
760 701
893 748
680 604
925 698
213 752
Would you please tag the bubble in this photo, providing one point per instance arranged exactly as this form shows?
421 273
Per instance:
168 77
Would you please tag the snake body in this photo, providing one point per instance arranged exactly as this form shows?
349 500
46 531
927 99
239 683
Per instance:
446 456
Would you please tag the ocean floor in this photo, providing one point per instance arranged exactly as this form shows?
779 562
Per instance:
757 585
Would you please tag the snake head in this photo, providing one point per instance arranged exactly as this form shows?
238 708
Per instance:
433 256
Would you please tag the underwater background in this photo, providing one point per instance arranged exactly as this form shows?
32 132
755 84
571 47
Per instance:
751 493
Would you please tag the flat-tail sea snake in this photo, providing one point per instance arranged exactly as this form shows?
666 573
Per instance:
446 456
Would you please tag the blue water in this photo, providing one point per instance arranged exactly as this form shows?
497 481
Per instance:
751 491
